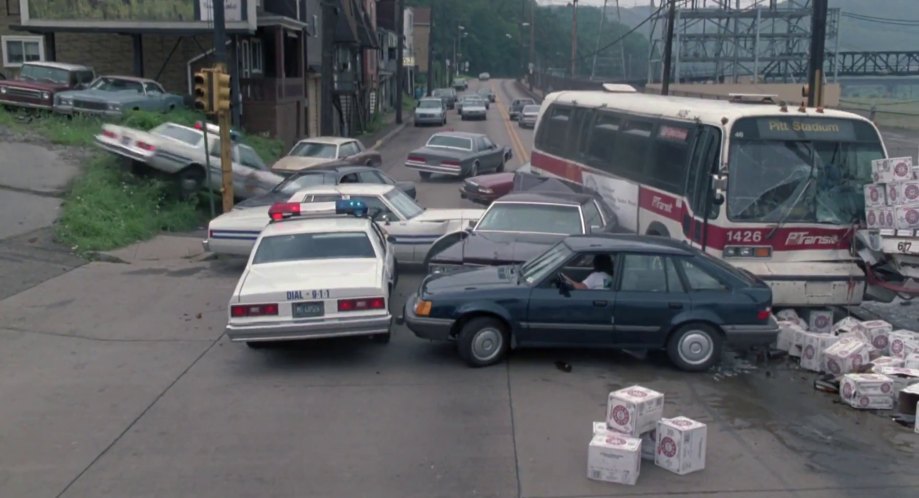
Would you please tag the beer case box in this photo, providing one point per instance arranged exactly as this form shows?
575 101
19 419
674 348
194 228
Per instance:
902 377
882 171
797 345
786 338
874 218
847 325
819 320
681 445
906 217
916 427
846 355
878 334
892 170
887 361
905 193
648 445
787 314
613 457
892 194
867 391
600 427
912 361
813 346
634 410
875 195
902 343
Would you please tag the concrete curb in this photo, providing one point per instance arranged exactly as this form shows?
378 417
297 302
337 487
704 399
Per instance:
385 138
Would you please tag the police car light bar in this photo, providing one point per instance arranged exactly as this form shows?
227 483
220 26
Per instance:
284 210
351 206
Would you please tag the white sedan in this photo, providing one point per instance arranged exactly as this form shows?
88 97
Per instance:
315 276
412 227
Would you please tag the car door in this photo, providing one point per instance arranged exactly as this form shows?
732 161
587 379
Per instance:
650 295
391 224
569 317
389 263
492 153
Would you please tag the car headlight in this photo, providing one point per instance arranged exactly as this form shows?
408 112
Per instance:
3 90
486 190
66 101
45 95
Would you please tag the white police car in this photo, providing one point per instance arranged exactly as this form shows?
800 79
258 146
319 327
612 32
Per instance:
327 272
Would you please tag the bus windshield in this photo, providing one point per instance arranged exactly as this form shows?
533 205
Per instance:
800 170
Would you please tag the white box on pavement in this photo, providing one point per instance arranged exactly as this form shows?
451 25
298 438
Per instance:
813 346
786 338
634 410
600 427
882 171
846 355
876 195
819 320
847 325
905 193
681 445
903 342
878 334
887 361
787 314
901 377
895 169
867 391
613 457
892 194
906 217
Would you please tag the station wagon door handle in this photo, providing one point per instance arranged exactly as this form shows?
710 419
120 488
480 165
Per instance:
676 306
600 304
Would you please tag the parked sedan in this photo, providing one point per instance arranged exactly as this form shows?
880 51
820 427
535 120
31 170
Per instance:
431 111
474 108
328 174
115 95
448 95
458 154
315 151
528 116
517 105
643 293
520 226
484 189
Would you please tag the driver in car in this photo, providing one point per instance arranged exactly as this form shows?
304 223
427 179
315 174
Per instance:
600 278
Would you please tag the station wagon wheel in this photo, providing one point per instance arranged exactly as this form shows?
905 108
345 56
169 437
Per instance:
482 342
694 347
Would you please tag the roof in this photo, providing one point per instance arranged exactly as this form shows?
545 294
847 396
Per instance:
128 78
347 189
571 199
327 140
629 243
683 108
60 65
461 134
334 223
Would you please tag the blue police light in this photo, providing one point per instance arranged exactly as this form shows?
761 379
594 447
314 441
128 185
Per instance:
351 206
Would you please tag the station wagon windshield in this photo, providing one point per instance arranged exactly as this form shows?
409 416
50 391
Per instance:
312 246
538 268
535 218
44 74
116 85
314 149
450 141
405 205
803 170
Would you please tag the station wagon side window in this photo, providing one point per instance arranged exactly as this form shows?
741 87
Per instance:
649 273
214 151
487 144
700 279
347 150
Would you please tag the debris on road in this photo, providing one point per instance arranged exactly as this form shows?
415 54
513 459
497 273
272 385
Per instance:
681 445
903 343
845 356
564 366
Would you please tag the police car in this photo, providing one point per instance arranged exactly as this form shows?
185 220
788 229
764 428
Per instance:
413 227
326 272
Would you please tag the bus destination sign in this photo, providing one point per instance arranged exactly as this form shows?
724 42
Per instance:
794 128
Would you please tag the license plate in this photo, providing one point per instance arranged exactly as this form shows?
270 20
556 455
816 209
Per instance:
309 309
126 140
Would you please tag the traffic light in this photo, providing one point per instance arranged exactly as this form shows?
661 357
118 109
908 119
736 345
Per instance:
221 91
203 96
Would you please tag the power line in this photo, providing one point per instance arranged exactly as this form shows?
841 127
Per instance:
626 35
881 20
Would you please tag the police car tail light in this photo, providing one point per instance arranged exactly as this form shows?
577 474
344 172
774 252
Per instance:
747 252
373 303
417 159
145 146
281 210
764 314
252 310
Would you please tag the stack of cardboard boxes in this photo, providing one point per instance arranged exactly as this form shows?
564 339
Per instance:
635 430
892 201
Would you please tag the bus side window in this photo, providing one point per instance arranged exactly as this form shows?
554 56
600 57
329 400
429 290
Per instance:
671 157
553 130
703 162
633 148
602 136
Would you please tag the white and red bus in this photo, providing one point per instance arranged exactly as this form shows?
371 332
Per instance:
783 187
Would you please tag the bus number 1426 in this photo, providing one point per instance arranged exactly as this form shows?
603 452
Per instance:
745 236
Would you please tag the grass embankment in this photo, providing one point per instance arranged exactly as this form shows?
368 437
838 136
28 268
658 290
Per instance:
107 207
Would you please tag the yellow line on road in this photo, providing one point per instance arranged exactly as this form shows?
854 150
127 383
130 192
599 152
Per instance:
519 150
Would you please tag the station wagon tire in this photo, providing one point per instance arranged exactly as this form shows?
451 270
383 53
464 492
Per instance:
695 347
482 342
425 175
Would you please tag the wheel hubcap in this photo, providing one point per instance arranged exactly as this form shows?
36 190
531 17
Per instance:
696 347
486 344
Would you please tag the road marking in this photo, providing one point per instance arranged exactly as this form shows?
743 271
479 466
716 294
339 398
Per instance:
519 150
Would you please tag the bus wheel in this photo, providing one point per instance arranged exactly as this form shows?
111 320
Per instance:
658 230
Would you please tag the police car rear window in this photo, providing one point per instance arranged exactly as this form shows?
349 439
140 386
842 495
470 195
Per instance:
313 246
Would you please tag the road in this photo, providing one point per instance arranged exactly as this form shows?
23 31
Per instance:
116 380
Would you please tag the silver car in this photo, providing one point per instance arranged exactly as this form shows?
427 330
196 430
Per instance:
431 111
528 115
474 108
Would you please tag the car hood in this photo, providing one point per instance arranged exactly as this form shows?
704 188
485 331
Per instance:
495 248
449 214
492 179
490 277
296 163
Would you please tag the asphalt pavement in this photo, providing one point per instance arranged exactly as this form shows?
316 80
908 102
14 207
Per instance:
116 380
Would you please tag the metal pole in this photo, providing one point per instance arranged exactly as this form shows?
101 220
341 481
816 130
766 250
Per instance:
326 82
220 32
818 41
668 49
400 49
431 53
676 46
756 47
593 65
532 43
207 166
574 37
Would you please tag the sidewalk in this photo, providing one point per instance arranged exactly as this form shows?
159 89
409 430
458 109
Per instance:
387 131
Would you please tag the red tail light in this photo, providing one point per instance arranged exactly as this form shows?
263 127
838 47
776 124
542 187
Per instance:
452 164
145 146
281 210
373 303
763 314
109 134
252 310
417 159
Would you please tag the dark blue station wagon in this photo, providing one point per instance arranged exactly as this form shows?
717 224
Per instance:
655 294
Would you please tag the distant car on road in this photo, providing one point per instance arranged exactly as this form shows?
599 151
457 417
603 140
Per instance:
486 93
315 151
327 174
458 154
447 94
114 96
474 108
431 110
528 116
460 84
517 105
598 291
484 76
39 82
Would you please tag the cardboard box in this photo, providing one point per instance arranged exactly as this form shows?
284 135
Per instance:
847 325
906 217
895 169
648 445
846 355
892 194
786 337
902 377
813 346
878 334
600 427
876 195
911 361
819 320
613 457
882 171
887 361
876 218
681 445
905 193
908 398
902 343
867 391
634 410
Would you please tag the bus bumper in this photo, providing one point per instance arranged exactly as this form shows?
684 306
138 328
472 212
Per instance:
810 283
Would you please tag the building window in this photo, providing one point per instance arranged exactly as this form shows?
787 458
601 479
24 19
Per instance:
12 7
257 57
20 49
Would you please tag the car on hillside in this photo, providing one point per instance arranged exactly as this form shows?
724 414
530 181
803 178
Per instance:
113 96
520 226
474 108
431 110
484 76
327 174
460 154
38 83
448 95
317 275
412 227
517 105
528 116
178 151
316 151
598 291
486 93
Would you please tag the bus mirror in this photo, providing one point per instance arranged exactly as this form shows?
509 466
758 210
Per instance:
718 197
719 182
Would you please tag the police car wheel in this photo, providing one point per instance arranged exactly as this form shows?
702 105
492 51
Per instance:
482 342
695 347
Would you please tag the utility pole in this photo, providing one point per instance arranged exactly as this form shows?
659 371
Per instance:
668 49
818 42
431 53
574 37
593 66
326 83
532 42
400 48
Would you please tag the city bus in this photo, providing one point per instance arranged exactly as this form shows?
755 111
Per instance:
774 189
